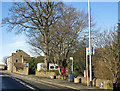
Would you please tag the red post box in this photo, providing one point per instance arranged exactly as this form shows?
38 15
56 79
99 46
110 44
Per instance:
63 70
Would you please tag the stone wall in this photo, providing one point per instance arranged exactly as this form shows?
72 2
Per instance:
9 64
19 56
83 80
107 84
45 74
24 71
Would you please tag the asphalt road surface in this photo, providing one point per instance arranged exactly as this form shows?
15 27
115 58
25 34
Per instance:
8 82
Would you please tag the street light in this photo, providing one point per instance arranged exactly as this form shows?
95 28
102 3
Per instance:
90 42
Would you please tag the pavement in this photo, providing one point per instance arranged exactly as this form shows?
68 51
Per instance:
56 82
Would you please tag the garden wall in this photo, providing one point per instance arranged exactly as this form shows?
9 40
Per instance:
25 71
107 84
45 74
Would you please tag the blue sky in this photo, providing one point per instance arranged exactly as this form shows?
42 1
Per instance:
104 13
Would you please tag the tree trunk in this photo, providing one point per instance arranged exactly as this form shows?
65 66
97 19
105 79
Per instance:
59 70
46 53
46 43
58 63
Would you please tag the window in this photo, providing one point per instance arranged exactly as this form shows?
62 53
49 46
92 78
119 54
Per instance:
56 67
20 55
16 60
51 67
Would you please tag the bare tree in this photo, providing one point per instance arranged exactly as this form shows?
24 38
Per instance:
64 34
35 40
67 32
118 47
107 52
5 59
34 16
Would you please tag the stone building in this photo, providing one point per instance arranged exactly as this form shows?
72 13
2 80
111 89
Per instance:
20 57
2 65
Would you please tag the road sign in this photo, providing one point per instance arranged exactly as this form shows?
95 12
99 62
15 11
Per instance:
71 58
92 51
26 63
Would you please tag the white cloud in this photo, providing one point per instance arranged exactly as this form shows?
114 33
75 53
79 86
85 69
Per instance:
17 44
19 37
17 41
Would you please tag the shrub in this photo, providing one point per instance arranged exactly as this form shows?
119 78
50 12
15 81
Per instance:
19 66
116 86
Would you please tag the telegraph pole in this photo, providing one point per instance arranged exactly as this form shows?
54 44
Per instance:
87 65
90 42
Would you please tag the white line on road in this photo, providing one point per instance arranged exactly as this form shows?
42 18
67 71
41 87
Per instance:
25 84
46 84
3 75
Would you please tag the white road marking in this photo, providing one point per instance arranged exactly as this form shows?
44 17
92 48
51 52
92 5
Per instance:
25 84
46 84
1 75
42 83
4 75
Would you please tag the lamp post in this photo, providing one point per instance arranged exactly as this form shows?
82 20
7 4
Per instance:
90 42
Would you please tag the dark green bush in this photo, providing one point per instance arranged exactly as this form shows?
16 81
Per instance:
116 85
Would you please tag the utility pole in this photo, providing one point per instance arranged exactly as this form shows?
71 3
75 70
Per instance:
87 65
90 42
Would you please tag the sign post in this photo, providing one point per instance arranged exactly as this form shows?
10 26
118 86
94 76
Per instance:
88 53
92 51
71 59
87 65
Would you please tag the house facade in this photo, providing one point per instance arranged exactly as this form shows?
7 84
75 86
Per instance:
2 65
19 57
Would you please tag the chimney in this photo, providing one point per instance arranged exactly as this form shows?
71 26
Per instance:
13 54
18 50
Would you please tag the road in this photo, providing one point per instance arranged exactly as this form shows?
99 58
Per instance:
10 83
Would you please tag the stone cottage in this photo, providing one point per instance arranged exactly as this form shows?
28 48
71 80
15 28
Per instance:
18 58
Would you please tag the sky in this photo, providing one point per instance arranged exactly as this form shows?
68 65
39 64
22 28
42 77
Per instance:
105 15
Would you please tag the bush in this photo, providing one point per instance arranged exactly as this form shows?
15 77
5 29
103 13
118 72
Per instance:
69 67
116 86
33 64
19 66
78 68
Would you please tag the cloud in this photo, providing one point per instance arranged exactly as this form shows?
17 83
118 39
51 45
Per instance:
19 37
17 44
18 41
